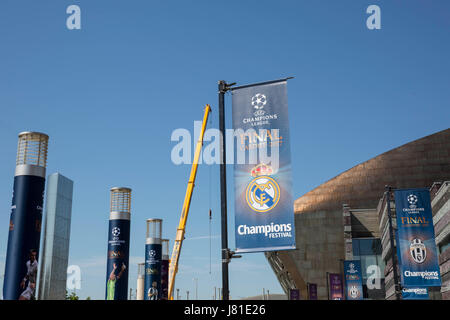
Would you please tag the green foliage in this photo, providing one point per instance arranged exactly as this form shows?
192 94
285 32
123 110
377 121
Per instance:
72 296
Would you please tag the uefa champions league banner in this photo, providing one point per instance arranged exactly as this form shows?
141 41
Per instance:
118 260
417 254
353 280
264 214
153 256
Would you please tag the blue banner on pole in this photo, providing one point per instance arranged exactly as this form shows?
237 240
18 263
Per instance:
264 213
419 266
21 264
353 280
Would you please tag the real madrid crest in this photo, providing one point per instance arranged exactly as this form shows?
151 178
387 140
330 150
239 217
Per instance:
263 192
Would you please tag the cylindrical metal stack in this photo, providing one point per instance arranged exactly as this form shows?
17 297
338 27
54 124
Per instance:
118 245
26 216
140 282
153 251
165 269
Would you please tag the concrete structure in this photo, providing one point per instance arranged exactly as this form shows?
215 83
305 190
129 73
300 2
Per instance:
54 253
319 214
440 204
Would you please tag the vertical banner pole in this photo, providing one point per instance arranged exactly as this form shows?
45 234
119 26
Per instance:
328 286
223 190
117 265
391 236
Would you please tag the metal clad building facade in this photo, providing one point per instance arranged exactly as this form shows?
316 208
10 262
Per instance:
318 213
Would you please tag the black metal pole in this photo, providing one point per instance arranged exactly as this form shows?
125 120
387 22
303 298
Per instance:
391 236
223 190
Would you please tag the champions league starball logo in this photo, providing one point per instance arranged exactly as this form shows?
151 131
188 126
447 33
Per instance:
115 232
418 250
152 253
352 268
412 200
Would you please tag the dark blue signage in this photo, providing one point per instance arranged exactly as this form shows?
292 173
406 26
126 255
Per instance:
353 280
418 257
118 258
415 294
24 238
152 290
264 213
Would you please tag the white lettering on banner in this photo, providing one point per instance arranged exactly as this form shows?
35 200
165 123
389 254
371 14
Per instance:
427 275
415 290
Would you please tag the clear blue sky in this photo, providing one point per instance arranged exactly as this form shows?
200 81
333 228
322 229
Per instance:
110 95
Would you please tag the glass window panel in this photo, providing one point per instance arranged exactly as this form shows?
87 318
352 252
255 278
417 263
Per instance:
366 247
378 249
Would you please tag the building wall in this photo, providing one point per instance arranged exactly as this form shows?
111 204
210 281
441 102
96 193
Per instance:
54 253
318 213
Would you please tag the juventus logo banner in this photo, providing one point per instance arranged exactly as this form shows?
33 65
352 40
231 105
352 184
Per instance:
417 252
353 280
264 213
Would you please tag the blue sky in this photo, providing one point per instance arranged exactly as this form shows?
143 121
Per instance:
110 95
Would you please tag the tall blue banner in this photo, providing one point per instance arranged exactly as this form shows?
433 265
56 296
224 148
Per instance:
152 289
24 237
415 294
118 258
264 213
418 257
353 280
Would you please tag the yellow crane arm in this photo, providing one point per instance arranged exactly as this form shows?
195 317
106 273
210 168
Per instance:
173 267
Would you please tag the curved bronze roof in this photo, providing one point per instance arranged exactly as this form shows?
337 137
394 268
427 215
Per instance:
416 164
